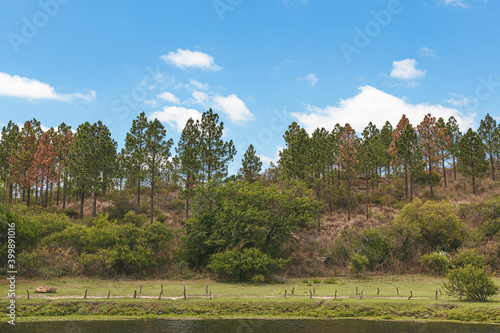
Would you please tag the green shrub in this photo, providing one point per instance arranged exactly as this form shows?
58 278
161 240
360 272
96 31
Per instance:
436 263
472 282
422 178
466 257
136 219
359 263
238 264
160 217
177 205
316 281
330 280
305 281
258 279
375 246
436 222
491 227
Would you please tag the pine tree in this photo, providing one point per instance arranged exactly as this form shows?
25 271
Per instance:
428 131
399 152
295 158
386 139
43 167
9 146
188 157
215 153
409 151
22 161
348 159
453 131
472 157
157 152
487 132
92 161
64 142
251 165
135 145
443 144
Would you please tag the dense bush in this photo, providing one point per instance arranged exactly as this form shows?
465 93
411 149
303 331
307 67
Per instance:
238 264
375 246
436 221
422 178
465 257
436 262
472 282
244 215
359 263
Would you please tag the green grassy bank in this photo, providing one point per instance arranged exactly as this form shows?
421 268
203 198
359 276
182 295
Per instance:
235 300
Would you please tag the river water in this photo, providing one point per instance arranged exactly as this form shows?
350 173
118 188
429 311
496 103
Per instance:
247 326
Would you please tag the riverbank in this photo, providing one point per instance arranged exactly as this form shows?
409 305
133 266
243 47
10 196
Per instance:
367 298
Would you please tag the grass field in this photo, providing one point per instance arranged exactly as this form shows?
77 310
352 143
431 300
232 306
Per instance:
231 300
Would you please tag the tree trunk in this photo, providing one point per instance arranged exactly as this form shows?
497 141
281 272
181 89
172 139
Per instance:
444 175
348 197
58 190
11 190
152 191
430 179
406 181
64 189
94 203
138 193
474 185
28 194
46 195
492 167
367 196
454 168
81 203
411 187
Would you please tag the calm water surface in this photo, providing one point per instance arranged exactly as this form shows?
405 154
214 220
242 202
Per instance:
246 326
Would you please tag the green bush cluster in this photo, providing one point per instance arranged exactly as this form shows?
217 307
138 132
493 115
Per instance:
436 262
239 264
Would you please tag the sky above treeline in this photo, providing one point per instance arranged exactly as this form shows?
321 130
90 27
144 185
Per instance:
259 64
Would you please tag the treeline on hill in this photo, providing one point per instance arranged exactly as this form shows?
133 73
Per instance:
255 223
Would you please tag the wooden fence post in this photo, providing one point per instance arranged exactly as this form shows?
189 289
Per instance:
378 291
162 289
436 294
135 294
206 290
140 289
411 294
85 297
310 294
335 294
109 292
293 290
285 293
314 291
397 289
185 297
28 293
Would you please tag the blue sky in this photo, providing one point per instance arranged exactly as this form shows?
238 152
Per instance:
260 64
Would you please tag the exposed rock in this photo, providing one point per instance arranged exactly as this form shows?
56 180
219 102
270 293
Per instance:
41 289
52 290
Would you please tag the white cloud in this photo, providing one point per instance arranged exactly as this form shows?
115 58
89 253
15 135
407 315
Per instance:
176 116
200 98
22 87
459 3
311 79
193 84
169 97
376 106
191 59
150 102
406 70
427 52
233 107
459 100
274 159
